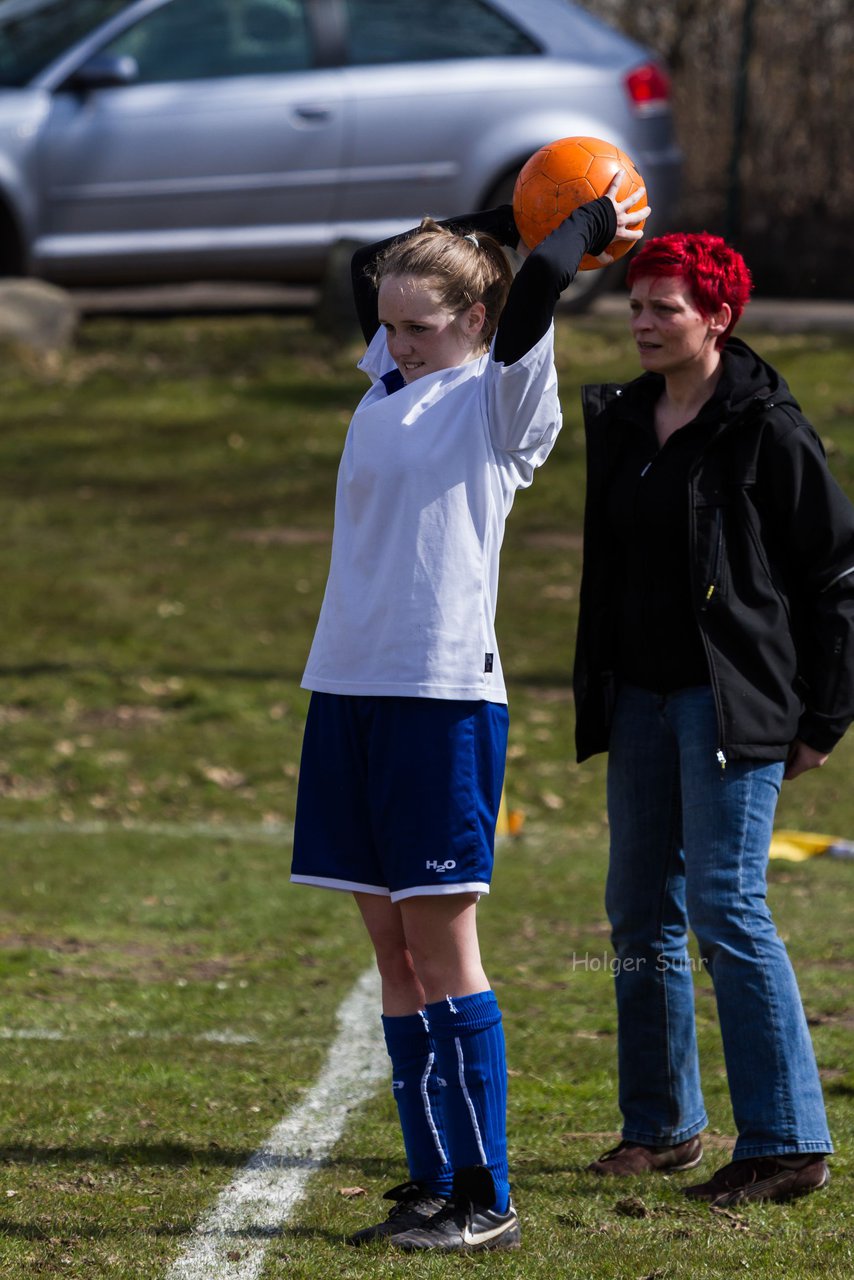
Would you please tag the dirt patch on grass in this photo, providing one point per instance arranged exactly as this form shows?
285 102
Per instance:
121 717
15 787
137 961
12 715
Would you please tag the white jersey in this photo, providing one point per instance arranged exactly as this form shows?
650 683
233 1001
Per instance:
425 484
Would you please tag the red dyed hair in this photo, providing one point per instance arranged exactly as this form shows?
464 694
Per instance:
713 272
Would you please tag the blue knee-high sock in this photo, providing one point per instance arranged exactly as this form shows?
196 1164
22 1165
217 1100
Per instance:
419 1101
469 1042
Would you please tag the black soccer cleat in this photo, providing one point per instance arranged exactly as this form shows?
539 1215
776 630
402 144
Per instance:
463 1227
414 1205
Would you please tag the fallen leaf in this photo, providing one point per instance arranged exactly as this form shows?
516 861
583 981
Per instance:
738 1222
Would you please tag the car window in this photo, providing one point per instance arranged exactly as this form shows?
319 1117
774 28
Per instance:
204 39
418 31
35 32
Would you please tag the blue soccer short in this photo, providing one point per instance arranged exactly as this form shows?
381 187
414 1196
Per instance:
399 796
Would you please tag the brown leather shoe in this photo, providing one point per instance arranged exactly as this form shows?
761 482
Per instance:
628 1159
764 1178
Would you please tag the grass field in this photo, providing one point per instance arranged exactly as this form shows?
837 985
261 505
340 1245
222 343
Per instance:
166 996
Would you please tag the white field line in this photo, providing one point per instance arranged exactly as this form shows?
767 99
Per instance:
260 832
49 1033
267 831
274 832
231 1241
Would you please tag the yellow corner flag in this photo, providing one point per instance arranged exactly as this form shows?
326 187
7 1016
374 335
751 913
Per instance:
797 846
510 821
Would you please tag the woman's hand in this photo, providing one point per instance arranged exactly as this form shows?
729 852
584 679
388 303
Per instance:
802 758
625 220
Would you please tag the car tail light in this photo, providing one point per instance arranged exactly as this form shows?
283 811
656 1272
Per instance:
648 87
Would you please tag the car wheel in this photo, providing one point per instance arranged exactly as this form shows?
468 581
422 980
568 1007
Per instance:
11 254
587 285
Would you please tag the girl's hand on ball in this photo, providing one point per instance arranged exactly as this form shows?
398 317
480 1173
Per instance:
625 220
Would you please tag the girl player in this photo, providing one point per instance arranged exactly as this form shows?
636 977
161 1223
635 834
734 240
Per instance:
403 756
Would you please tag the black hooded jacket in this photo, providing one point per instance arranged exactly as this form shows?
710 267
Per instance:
769 545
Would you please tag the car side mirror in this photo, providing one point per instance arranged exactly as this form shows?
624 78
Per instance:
103 71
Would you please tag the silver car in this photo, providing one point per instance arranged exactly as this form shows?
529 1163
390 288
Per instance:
167 140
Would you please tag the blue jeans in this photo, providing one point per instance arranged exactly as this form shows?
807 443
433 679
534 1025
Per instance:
689 843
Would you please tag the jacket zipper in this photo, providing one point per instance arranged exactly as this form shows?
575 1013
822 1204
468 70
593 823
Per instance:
844 574
716 565
720 754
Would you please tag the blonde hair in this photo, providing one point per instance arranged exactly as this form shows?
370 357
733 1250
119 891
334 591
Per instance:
463 269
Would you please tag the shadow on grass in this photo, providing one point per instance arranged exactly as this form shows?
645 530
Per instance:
543 679
312 1233
839 1088
96 1231
26 670
56 1232
168 1154
179 1155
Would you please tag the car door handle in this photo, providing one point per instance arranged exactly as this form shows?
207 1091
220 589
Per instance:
312 113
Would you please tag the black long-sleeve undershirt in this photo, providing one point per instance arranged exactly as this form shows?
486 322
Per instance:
538 284
544 275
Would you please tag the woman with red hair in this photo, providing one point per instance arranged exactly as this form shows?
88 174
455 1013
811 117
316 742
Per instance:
715 659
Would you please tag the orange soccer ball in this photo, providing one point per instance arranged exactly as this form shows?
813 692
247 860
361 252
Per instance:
561 176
